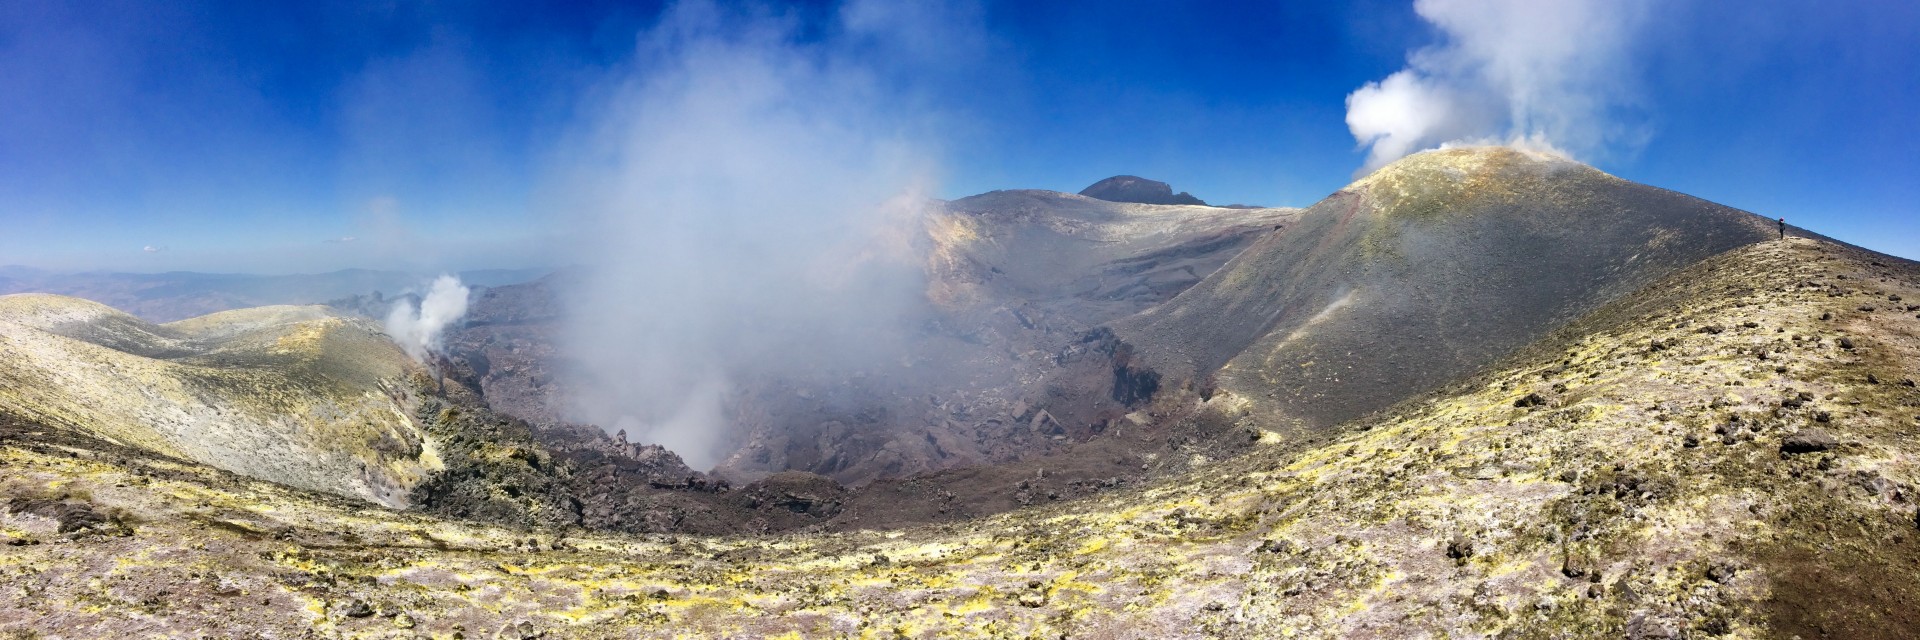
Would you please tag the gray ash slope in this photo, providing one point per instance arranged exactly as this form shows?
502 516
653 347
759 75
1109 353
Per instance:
1091 259
1422 272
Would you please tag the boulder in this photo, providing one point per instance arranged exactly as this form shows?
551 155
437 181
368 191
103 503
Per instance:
1809 441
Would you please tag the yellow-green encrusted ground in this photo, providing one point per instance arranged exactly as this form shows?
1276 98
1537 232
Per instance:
297 395
1641 491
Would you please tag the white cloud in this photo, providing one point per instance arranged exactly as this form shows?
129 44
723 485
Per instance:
1553 75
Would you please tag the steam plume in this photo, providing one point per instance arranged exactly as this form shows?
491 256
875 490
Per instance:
1552 75
418 329
748 190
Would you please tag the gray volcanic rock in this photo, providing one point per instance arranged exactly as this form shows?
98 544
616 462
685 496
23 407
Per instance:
1138 189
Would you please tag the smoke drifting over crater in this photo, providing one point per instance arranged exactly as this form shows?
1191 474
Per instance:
746 195
418 329
1549 75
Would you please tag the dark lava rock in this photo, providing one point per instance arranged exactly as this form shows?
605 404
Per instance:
1530 400
357 609
1846 343
1138 189
1809 441
796 492
1691 442
1721 572
1576 567
1274 546
70 514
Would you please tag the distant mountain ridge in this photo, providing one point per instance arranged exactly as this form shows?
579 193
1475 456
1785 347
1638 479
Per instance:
177 295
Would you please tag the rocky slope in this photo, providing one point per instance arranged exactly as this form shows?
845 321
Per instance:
1725 451
294 395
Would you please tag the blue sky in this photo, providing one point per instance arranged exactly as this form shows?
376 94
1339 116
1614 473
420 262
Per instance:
259 137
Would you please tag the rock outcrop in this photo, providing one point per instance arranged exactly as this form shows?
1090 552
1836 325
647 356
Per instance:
1139 190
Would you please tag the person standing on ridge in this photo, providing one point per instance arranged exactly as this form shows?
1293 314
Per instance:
1783 228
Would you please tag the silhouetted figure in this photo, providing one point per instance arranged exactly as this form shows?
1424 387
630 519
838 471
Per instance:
1783 228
